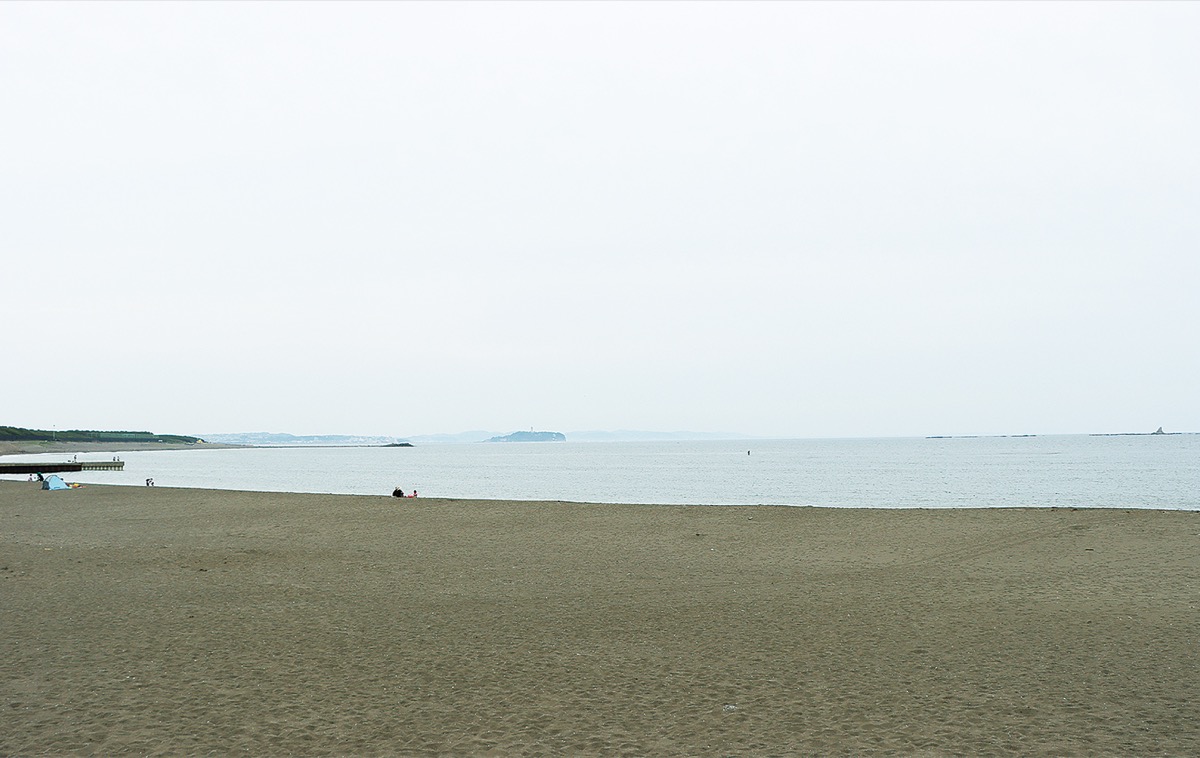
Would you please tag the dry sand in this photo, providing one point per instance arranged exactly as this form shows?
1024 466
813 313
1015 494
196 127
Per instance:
189 622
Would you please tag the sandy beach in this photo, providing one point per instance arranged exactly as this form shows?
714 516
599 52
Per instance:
189 622
48 446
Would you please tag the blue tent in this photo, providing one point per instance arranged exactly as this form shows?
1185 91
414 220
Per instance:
54 482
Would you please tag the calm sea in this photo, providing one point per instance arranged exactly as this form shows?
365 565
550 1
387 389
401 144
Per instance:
1061 471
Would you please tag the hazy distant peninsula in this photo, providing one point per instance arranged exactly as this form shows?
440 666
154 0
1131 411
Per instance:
620 435
279 439
530 437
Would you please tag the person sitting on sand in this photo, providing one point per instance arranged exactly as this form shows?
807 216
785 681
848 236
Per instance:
397 492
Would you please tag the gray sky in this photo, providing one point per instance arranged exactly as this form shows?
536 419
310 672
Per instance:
789 219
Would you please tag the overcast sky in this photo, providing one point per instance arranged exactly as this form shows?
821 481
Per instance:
778 219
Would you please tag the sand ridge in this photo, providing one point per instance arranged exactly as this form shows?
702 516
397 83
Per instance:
172 621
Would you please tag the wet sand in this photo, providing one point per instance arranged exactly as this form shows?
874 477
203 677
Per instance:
186 622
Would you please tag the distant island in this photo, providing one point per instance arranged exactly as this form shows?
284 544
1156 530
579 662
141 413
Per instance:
530 437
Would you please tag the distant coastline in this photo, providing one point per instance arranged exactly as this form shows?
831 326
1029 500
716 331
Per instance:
977 436
35 448
15 439
1159 433
279 439
1140 434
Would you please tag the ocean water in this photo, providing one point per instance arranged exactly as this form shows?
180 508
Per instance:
1045 471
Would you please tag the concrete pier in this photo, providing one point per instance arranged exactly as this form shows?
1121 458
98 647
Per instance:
102 465
58 468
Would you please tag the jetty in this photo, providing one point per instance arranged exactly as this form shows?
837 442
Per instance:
58 468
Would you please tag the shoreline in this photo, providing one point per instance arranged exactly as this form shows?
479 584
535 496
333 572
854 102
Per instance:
165 620
15 479
387 496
